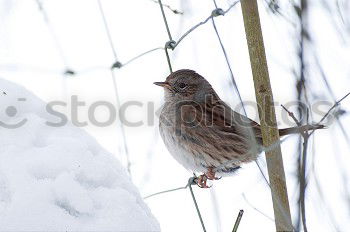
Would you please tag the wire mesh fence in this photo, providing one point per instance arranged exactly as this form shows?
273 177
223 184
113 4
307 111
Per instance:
170 46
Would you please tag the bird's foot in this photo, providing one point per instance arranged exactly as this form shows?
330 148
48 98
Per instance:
211 175
202 181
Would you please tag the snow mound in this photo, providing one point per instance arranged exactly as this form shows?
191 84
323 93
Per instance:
59 178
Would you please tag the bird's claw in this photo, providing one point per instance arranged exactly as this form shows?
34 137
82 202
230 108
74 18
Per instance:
211 175
202 181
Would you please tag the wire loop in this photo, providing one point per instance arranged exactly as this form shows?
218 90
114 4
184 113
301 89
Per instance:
217 12
117 65
171 44
69 72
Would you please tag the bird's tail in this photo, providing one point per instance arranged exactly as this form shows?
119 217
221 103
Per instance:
299 129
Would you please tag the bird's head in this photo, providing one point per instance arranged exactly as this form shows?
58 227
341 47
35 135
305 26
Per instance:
185 85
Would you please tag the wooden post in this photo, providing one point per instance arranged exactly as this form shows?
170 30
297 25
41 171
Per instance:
267 114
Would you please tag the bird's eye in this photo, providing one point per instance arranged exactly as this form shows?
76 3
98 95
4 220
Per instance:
182 85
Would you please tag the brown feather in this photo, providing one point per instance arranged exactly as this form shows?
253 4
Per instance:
204 134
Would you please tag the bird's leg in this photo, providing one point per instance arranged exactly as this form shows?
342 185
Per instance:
211 174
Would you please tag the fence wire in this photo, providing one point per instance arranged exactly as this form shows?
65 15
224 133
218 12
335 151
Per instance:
169 45
116 64
55 39
194 181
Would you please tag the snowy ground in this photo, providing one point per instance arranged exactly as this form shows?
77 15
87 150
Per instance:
30 56
59 178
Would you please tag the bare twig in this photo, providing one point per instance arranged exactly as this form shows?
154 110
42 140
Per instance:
325 80
306 136
238 220
337 103
256 209
275 9
301 12
302 174
303 180
291 115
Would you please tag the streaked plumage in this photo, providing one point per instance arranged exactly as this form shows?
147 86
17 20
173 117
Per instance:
206 135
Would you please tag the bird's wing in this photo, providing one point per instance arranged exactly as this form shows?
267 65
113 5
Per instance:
218 131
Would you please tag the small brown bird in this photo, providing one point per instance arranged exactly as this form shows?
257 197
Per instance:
203 133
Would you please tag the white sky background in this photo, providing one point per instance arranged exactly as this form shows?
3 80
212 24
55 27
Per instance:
29 56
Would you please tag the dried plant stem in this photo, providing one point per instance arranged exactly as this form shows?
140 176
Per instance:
238 220
267 115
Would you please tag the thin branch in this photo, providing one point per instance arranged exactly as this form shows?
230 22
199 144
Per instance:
238 220
275 9
303 180
306 137
256 209
302 173
291 115
301 11
337 103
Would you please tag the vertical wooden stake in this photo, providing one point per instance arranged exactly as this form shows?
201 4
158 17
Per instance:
267 114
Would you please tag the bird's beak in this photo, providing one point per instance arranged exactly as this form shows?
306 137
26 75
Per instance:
162 84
